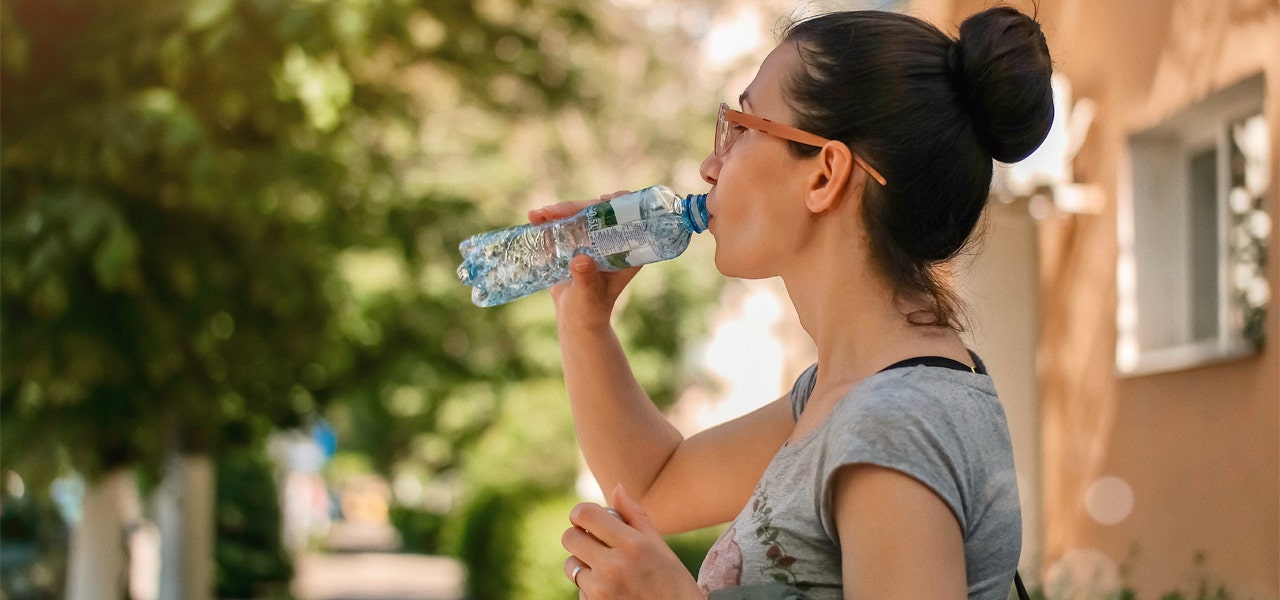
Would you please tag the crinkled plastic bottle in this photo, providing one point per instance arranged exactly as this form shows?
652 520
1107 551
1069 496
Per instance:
639 228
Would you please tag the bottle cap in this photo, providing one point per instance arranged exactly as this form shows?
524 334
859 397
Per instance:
695 212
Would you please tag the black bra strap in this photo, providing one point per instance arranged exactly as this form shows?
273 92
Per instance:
939 361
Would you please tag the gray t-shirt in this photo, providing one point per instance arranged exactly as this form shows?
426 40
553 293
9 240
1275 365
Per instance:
941 426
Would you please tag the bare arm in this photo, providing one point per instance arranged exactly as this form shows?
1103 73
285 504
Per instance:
898 539
625 438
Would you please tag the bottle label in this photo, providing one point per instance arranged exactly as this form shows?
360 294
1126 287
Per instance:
618 233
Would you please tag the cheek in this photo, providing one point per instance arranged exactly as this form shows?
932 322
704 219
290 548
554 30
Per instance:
742 245
746 212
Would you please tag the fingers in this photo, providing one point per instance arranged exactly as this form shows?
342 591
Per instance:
584 272
574 568
600 285
583 540
586 300
583 545
586 275
630 511
601 524
599 527
580 542
544 214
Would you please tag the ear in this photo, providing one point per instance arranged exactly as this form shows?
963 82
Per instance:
834 177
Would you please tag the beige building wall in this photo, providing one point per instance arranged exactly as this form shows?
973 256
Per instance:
1198 449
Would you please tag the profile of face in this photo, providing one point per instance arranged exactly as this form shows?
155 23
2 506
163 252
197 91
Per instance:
919 112
756 202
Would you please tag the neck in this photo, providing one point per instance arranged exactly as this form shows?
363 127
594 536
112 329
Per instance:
858 324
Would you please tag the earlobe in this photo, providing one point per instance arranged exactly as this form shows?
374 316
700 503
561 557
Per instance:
833 178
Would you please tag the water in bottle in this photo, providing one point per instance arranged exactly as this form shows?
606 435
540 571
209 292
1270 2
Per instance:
642 227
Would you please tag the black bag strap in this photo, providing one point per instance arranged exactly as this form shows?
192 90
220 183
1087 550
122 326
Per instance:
1022 589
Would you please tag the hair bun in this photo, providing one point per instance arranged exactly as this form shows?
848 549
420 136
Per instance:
1001 69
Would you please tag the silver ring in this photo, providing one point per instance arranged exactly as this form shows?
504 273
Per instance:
573 575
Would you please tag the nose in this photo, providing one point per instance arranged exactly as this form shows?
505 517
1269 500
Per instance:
710 168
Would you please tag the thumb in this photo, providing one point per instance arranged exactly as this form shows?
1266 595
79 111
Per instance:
583 271
630 511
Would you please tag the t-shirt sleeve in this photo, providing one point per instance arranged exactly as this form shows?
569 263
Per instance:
899 426
801 389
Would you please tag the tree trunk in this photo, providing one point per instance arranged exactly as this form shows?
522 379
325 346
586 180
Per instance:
98 556
184 512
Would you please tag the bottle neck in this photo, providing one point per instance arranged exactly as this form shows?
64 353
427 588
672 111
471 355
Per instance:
693 212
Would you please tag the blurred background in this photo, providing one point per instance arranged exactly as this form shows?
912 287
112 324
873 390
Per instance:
234 343
237 362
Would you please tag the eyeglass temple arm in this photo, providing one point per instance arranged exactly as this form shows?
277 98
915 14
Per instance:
787 132
869 169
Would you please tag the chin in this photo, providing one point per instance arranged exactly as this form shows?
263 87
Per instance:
736 269
724 265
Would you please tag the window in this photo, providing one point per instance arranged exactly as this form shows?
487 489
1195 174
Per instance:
1193 236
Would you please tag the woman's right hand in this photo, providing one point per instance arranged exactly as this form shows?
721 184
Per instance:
588 297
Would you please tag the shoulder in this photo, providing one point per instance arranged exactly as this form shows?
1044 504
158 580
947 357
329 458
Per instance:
942 427
919 395
801 389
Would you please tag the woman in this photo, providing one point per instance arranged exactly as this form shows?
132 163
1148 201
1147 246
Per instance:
858 166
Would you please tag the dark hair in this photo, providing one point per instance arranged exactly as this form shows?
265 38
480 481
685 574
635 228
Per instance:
930 113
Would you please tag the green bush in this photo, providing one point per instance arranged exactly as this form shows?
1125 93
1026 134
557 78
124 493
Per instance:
420 530
511 544
539 569
249 556
487 542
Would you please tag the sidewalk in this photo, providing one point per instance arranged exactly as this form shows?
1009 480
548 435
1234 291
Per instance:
378 576
363 565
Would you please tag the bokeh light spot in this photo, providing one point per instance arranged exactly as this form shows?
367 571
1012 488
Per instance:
1109 500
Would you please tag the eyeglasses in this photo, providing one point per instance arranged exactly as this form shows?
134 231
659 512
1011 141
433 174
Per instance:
730 124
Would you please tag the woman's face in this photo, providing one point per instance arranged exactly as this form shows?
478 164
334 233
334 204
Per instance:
756 200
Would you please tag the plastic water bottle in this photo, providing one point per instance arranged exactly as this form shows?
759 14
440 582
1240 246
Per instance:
639 228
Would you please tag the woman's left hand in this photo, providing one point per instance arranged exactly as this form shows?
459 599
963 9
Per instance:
622 556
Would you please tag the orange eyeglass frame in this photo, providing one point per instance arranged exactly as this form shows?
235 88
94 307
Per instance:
785 132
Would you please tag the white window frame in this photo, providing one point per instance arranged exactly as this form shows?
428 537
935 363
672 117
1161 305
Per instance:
1155 311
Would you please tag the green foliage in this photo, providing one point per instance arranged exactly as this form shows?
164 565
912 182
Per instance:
147 283
657 324
216 215
530 448
487 544
1204 586
249 556
224 217
233 214
420 530
1204 591
521 472
692 546
539 557
513 540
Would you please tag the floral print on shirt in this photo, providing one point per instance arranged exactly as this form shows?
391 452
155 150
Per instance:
779 562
